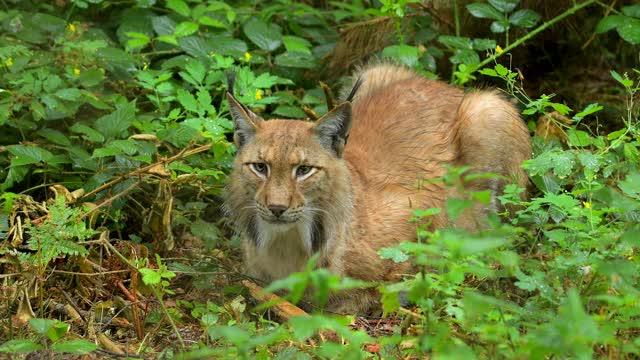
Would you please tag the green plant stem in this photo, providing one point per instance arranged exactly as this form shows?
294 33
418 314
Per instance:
535 32
158 296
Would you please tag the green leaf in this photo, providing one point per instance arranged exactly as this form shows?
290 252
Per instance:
405 54
457 42
524 18
150 276
484 11
90 134
631 153
179 6
41 326
70 94
499 26
137 40
390 302
296 44
289 111
185 28
54 136
266 36
455 207
117 123
25 155
208 21
579 138
609 23
484 44
630 31
633 11
590 109
295 60
625 81
465 56
187 100
394 254
19 346
504 6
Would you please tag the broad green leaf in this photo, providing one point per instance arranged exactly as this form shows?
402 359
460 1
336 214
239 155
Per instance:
457 42
296 44
19 346
169 39
137 40
187 100
90 134
105 152
631 153
295 60
163 25
504 6
185 28
632 10
25 155
524 18
78 347
208 232
610 22
150 276
41 326
390 302
484 44
499 26
590 109
405 54
117 123
484 11
54 136
630 31
455 207
288 111
179 6
394 254
579 138
208 21
465 56
70 94
267 36
625 81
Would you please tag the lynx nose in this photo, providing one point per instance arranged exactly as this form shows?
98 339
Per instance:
277 210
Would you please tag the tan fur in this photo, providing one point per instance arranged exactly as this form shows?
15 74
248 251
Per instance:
404 129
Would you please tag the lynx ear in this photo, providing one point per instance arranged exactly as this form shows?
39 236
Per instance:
333 128
244 120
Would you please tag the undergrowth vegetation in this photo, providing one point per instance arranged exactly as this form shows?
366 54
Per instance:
115 147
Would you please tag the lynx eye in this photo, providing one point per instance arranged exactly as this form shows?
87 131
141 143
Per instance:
261 169
304 171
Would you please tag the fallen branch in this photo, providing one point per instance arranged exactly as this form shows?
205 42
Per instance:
283 309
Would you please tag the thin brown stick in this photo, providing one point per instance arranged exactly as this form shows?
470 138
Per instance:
310 113
328 95
282 308
182 154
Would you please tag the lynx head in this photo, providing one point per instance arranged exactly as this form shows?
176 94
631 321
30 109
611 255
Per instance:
289 176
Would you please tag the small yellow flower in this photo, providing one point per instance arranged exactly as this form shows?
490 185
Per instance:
247 56
72 28
258 94
586 204
76 71
8 62
499 49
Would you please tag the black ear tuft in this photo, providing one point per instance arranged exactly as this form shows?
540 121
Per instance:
332 129
354 89
231 81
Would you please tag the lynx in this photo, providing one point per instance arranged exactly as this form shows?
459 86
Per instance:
345 185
